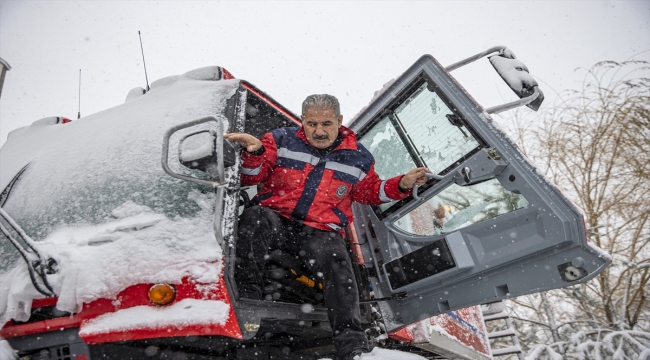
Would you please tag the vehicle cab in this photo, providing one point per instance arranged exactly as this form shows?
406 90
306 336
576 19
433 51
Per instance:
127 249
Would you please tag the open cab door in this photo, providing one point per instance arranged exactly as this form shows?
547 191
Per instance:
488 227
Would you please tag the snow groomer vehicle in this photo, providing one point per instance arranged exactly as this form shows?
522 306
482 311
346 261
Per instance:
115 247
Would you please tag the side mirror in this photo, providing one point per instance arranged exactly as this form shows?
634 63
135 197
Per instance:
200 150
514 73
197 151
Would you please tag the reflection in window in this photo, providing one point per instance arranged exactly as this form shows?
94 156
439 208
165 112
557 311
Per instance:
459 206
391 156
419 124
439 143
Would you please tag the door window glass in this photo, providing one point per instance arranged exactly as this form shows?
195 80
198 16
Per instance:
391 156
439 143
417 133
459 206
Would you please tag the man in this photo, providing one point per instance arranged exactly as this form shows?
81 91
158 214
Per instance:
311 175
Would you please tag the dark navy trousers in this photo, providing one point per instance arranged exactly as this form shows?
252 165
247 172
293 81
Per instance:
261 231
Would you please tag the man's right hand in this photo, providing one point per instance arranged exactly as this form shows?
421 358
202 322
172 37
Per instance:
249 142
413 177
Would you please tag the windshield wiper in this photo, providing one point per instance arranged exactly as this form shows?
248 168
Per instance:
39 266
4 195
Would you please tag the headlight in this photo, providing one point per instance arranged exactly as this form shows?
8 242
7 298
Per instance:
162 294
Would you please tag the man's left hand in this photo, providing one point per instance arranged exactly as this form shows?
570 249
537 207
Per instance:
414 177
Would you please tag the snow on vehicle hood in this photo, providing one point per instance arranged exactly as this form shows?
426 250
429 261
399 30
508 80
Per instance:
138 246
95 197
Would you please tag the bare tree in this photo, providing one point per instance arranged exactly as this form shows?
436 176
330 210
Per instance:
594 143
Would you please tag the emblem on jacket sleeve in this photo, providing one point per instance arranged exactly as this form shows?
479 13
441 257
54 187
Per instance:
341 191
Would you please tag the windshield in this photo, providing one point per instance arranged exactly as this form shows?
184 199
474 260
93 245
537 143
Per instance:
9 256
81 171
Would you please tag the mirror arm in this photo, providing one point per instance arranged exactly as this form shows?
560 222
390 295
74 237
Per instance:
221 180
221 177
219 142
218 210
500 108
515 104
471 59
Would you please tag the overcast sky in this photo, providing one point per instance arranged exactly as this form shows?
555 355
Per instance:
293 49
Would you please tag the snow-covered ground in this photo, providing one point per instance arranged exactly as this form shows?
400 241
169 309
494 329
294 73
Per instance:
385 354
7 353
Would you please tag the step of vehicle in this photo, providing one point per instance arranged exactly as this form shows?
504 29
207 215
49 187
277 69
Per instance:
506 351
493 308
498 316
500 334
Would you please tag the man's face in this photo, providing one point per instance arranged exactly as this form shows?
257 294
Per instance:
321 126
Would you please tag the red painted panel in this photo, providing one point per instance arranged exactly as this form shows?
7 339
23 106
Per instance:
403 334
462 334
135 295
187 289
37 303
226 74
464 326
10 330
354 245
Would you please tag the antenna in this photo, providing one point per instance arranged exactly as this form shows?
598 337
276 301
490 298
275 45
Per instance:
79 112
143 63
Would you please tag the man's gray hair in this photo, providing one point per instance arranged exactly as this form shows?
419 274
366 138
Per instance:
322 101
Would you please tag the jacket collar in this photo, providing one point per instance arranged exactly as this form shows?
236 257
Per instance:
349 138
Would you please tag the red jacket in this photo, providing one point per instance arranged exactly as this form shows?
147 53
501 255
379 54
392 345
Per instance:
316 190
